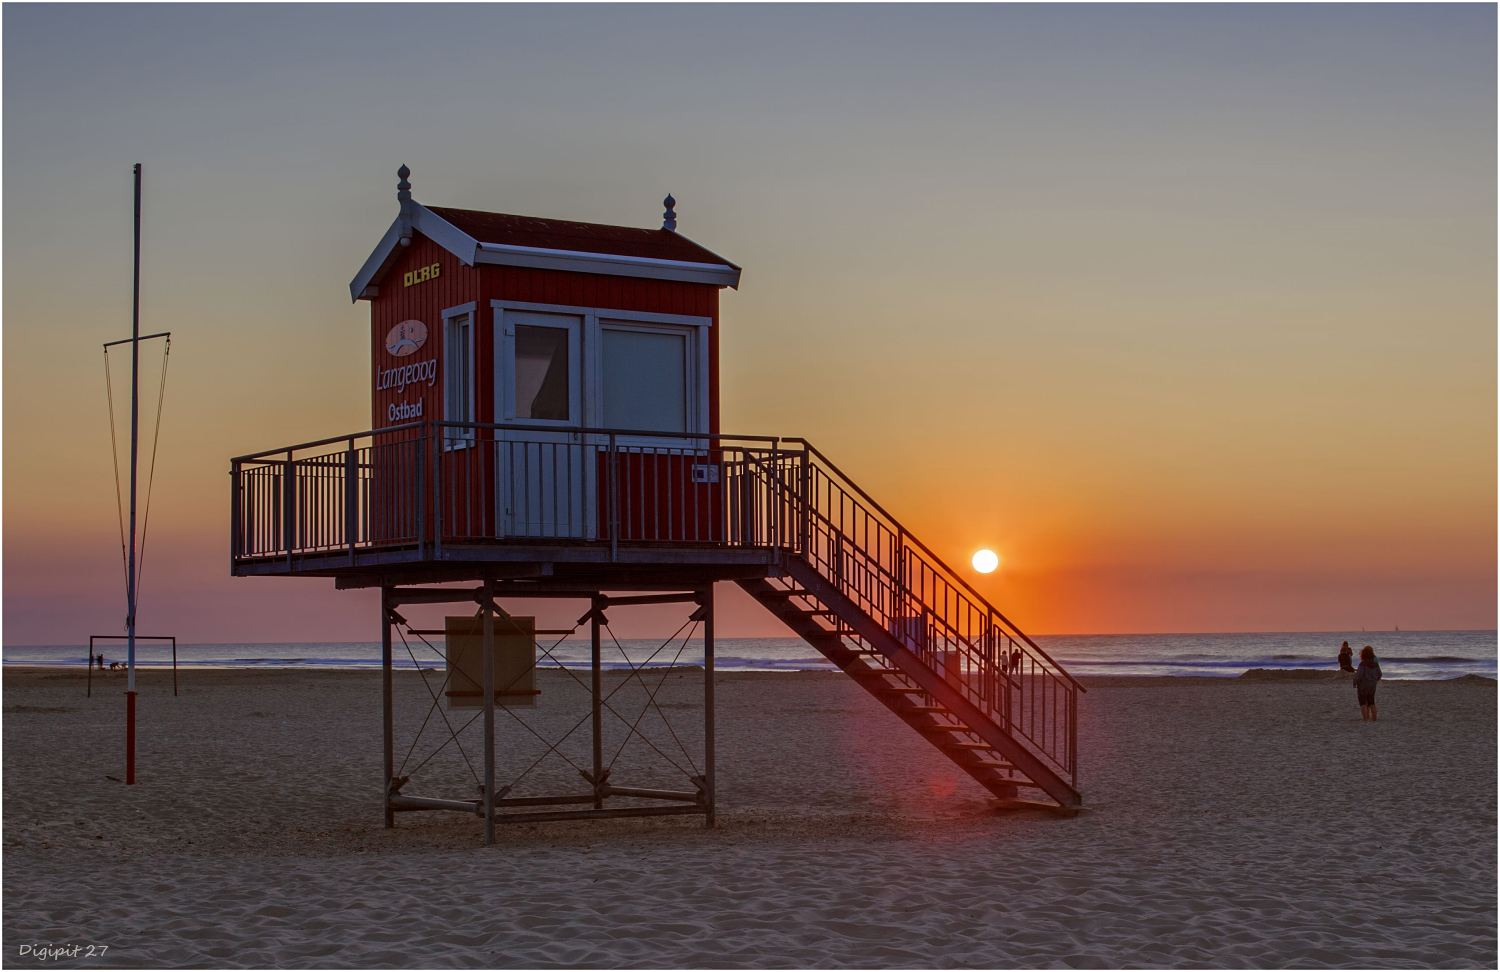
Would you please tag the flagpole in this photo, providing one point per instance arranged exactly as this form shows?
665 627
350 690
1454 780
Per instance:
135 428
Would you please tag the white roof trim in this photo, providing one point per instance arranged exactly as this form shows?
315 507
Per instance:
470 252
376 262
446 235
508 254
430 225
613 258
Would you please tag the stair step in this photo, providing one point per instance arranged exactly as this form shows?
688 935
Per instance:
836 633
1015 781
1061 811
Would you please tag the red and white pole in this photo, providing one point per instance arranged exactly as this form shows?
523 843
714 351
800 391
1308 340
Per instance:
130 738
135 431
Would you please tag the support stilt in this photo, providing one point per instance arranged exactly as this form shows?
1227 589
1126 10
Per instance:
708 702
387 704
488 610
596 663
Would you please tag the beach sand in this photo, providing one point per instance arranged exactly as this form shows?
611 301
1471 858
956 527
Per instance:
1252 822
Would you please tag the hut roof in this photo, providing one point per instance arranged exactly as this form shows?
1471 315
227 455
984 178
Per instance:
476 237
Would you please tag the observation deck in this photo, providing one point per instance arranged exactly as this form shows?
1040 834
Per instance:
534 510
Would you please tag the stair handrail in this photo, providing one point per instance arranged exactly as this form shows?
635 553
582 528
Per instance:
941 621
887 573
952 574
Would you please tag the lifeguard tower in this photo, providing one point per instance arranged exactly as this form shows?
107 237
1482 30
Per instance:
545 423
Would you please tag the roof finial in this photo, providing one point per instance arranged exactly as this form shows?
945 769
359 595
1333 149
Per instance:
669 218
403 195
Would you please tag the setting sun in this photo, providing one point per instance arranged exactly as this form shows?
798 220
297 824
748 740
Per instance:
985 561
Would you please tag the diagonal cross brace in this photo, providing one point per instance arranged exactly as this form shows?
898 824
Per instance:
553 747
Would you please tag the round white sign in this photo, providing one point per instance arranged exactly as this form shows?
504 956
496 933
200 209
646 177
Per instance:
406 338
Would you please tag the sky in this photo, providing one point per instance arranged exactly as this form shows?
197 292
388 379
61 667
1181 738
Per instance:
1188 311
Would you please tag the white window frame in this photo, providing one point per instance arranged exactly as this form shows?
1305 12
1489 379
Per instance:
695 381
505 366
697 355
589 391
454 438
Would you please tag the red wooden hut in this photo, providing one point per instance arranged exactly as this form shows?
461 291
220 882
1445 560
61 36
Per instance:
541 328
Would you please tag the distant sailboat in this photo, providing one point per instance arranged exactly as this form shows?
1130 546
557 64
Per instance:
1398 627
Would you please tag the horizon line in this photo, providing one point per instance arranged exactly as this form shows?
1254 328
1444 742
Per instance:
792 637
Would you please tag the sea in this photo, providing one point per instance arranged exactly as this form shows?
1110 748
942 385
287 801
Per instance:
1402 654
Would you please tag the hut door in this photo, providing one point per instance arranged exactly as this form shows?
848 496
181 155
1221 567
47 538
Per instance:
544 471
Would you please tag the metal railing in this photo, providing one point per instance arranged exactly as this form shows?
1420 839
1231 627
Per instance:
419 486
376 490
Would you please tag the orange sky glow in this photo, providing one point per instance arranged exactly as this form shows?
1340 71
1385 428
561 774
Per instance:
1194 345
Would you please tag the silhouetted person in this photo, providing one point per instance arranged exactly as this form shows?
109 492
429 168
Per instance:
114 666
1366 677
1346 658
101 663
1015 660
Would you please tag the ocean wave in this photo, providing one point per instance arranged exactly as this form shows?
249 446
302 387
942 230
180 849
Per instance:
1237 663
1303 661
1407 655
773 664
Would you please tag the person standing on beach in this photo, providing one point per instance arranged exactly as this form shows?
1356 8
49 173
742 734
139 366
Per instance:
1346 658
1366 677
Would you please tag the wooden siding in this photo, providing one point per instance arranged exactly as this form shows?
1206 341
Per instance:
456 284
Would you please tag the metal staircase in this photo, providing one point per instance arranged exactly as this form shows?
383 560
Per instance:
886 610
